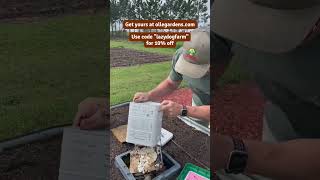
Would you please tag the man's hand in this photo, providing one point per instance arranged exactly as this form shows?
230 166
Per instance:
273 159
166 87
141 97
91 114
171 109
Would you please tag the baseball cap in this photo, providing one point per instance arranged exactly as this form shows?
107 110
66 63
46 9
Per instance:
195 58
274 26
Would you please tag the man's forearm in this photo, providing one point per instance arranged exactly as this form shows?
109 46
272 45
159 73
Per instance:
199 112
296 159
166 87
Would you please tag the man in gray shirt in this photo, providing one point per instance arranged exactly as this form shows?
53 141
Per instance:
278 42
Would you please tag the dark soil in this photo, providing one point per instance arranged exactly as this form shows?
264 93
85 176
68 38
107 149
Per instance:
126 57
35 161
193 142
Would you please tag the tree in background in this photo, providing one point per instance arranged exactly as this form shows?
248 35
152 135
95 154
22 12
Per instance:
138 9
131 14
132 11
152 9
202 14
155 9
172 9
115 14
124 8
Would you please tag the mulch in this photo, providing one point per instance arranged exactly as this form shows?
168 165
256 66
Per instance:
237 109
121 57
181 96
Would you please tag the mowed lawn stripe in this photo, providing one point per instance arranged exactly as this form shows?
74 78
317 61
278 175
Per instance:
46 68
126 81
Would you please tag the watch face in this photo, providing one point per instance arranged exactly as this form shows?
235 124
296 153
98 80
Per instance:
184 112
237 161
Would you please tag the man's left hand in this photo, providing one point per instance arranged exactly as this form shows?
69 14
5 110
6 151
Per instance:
170 108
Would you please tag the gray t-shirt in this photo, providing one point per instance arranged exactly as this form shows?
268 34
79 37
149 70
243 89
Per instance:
290 81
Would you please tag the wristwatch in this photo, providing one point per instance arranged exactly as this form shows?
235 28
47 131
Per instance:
184 111
238 157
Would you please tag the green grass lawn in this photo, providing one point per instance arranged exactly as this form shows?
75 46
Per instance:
140 47
234 74
126 81
46 68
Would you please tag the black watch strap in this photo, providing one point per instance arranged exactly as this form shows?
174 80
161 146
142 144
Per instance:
238 157
184 111
238 144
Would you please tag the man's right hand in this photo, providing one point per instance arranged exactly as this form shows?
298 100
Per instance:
91 114
141 97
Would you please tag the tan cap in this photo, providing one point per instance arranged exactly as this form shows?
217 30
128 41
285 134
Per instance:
195 58
269 25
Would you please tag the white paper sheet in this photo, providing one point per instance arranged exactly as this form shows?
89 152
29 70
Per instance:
144 123
83 155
